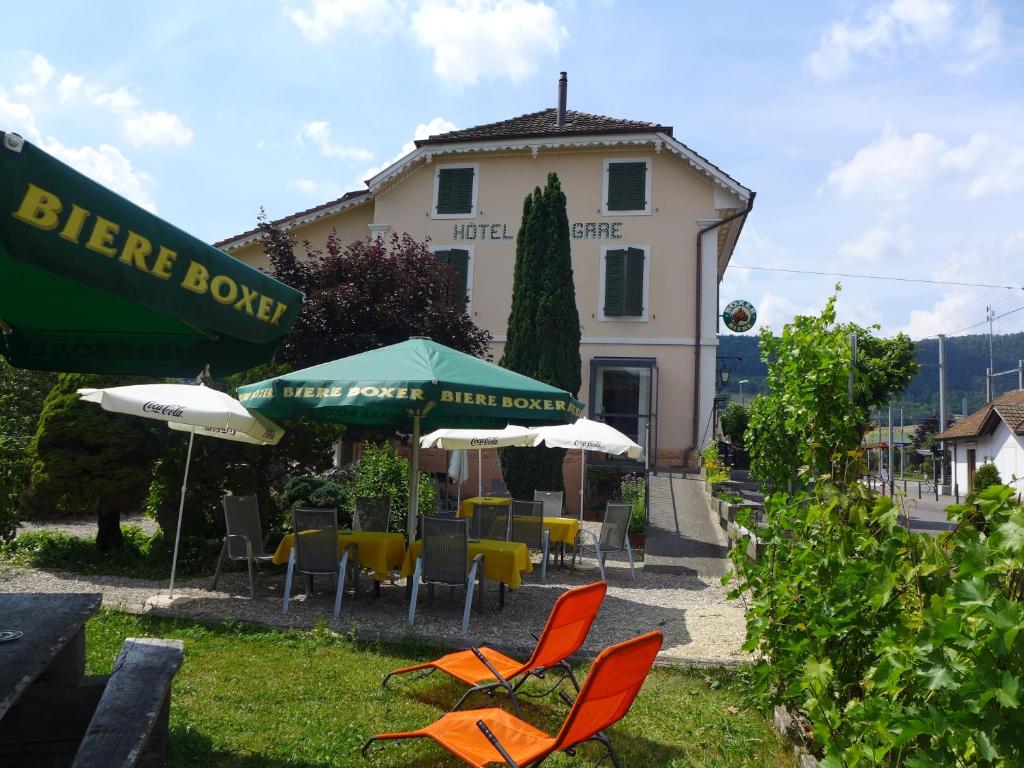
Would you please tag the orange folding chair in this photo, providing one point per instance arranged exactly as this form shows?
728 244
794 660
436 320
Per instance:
484 736
485 669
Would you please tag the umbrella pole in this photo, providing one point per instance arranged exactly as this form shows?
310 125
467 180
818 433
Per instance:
181 511
583 479
479 472
414 478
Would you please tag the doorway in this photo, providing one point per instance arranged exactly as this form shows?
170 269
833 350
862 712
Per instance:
971 464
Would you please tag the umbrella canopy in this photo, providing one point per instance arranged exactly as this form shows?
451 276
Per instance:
417 383
92 282
454 439
197 410
587 435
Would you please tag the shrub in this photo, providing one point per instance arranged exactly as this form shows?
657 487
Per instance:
715 470
319 491
382 472
902 649
986 476
634 490
734 423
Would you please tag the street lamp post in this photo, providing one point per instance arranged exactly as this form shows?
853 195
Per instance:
742 382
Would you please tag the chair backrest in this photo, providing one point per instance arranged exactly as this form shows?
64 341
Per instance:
242 518
610 688
445 550
552 502
490 521
499 488
615 526
527 523
567 625
316 539
373 513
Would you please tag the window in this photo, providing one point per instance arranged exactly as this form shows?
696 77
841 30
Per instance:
455 192
460 260
624 282
627 187
623 395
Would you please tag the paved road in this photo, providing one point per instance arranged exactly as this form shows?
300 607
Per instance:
928 515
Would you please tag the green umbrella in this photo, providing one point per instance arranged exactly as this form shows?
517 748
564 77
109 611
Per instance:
417 383
91 282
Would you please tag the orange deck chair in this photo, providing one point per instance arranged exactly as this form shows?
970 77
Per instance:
484 736
485 669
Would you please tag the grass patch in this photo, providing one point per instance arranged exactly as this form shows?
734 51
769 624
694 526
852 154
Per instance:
142 557
248 696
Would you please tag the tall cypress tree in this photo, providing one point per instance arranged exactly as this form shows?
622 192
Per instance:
543 338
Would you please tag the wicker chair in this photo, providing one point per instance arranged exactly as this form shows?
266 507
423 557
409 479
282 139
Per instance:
316 552
489 521
445 560
552 502
373 513
528 528
613 537
244 539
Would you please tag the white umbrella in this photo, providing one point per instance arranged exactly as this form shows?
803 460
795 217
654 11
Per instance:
455 439
193 409
585 435
458 470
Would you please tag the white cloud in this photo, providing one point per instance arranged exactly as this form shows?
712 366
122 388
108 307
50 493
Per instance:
880 241
327 17
967 37
140 126
107 166
894 165
317 189
928 322
423 131
319 132
775 310
491 39
18 118
39 73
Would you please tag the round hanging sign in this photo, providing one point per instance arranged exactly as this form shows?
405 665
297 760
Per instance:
739 316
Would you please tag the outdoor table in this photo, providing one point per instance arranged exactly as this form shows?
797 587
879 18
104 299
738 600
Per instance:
46 702
379 551
504 561
563 529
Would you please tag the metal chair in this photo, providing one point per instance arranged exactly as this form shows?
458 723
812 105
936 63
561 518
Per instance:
445 560
552 502
499 488
316 551
373 513
490 521
614 537
528 528
244 539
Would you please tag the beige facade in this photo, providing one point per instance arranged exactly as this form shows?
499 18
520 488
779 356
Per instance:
659 364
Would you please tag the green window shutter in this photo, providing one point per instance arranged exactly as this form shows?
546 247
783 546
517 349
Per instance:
458 260
455 190
614 282
633 295
627 186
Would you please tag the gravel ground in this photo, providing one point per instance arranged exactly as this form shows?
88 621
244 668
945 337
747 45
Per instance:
700 625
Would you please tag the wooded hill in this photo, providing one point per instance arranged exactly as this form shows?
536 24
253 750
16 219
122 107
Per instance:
967 359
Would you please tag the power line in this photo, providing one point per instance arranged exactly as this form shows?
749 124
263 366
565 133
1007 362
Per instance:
881 277
981 322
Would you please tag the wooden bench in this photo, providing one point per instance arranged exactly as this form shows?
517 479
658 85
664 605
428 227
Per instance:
129 727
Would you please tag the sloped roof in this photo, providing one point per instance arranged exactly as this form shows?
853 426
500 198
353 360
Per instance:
345 201
1009 407
543 124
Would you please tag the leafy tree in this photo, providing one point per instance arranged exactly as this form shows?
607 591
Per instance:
543 339
21 401
366 295
807 425
88 460
734 423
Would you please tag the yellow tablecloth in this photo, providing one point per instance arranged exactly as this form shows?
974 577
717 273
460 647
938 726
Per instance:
467 505
563 529
378 551
504 561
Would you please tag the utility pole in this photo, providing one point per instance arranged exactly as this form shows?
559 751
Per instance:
942 404
903 439
892 480
853 365
1020 374
990 315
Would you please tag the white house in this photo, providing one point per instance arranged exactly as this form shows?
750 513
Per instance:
993 434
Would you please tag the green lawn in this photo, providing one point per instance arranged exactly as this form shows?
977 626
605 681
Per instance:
252 697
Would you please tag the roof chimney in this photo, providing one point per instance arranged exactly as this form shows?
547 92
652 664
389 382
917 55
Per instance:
563 85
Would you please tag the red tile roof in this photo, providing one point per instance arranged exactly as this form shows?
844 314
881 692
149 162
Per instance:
347 197
1009 407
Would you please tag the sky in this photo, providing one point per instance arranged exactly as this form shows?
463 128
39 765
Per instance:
882 138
